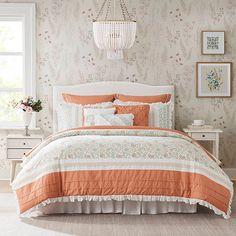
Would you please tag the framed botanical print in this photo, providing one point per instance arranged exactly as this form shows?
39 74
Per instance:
213 42
214 79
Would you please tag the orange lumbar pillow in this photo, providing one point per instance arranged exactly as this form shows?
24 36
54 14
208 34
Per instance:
140 112
84 100
164 98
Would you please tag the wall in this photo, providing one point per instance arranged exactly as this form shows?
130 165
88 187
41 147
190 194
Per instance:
165 52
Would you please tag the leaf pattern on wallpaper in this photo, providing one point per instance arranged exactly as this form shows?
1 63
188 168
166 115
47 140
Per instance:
167 46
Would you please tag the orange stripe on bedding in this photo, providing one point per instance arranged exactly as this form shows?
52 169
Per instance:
123 182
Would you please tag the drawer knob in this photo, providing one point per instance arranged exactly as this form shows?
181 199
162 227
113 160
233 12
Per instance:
203 135
24 143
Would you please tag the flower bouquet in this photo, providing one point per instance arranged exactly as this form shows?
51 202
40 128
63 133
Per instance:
27 105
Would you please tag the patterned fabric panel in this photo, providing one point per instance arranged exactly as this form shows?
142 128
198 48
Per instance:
114 120
165 116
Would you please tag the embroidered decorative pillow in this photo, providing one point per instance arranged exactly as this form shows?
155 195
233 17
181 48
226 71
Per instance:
145 99
140 113
114 120
90 113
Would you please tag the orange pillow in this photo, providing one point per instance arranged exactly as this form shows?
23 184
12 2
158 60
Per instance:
140 113
84 100
164 98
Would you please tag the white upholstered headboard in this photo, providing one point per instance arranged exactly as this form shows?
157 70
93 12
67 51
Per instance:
110 87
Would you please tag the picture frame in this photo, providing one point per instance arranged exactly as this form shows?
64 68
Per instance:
214 79
213 42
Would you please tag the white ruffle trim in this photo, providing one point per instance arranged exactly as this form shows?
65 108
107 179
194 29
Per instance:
31 212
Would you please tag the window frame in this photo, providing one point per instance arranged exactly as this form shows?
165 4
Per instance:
26 12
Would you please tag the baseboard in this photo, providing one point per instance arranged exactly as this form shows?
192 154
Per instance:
231 172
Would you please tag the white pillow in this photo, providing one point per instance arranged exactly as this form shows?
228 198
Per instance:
67 116
70 115
114 120
90 113
159 114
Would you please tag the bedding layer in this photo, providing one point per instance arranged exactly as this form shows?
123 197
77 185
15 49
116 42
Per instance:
60 206
105 163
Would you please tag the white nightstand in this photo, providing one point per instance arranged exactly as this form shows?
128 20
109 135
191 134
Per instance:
206 135
17 147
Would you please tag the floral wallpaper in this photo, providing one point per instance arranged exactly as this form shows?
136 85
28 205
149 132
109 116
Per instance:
167 47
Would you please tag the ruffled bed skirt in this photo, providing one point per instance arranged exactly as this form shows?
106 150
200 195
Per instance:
112 206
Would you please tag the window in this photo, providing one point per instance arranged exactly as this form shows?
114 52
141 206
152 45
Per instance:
17 59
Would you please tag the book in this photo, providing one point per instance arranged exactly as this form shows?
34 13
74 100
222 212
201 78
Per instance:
200 127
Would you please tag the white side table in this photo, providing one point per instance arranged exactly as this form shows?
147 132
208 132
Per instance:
17 147
206 135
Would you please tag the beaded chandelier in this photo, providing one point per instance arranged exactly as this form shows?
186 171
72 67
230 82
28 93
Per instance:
114 35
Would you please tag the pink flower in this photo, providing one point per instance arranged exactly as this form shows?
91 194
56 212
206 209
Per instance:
22 106
28 109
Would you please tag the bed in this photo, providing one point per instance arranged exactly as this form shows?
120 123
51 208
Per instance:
120 169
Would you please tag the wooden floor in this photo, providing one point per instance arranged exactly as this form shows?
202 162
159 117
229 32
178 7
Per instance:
204 223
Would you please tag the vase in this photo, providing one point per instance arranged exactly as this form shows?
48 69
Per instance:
27 117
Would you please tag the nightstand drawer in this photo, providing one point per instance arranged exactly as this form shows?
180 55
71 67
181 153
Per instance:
204 136
17 153
23 142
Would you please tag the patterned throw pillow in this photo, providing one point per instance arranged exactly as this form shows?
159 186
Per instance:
140 113
114 120
90 113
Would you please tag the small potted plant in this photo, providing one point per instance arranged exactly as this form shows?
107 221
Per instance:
28 105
